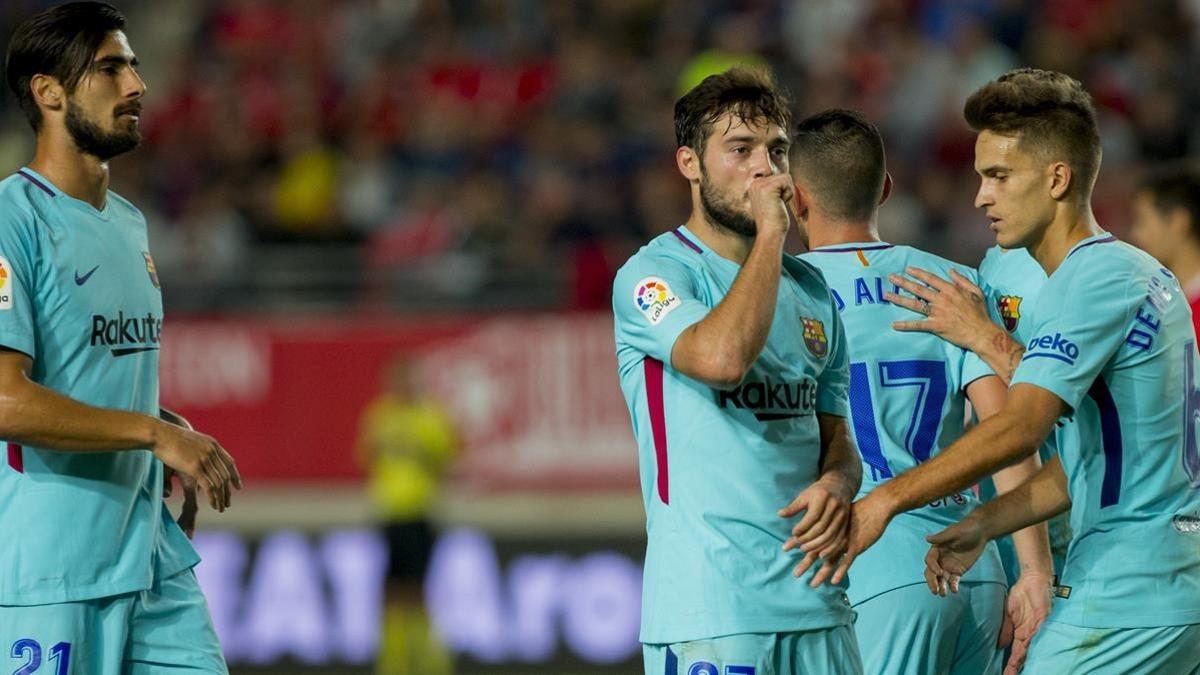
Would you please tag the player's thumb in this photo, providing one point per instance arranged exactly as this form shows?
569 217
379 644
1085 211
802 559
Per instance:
943 537
798 504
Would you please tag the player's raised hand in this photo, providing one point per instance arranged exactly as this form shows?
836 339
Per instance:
822 533
952 552
199 456
769 200
1026 609
954 309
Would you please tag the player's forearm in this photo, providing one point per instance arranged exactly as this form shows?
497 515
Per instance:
993 444
840 460
1000 351
1033 542
722 347
31 414
1033 502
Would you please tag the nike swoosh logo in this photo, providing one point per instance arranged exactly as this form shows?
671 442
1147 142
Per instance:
81 280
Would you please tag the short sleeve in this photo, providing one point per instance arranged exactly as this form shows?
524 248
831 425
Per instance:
17 284
655 299
1079 327
834 384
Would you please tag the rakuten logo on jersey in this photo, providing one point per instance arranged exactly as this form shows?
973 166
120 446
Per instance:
771 399
126 335
1052 347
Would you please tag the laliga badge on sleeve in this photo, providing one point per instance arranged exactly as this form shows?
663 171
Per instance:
6 284
654 299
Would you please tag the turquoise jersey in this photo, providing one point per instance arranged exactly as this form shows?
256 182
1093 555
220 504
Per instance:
1012 281
907 402
717 465
79 295
1113 338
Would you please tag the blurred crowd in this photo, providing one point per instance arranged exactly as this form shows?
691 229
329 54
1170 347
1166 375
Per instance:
490 153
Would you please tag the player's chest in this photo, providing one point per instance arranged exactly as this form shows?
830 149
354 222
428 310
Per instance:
102 286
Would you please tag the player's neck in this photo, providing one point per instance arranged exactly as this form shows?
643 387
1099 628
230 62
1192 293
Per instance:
828 233
724 242
1069 227
75 173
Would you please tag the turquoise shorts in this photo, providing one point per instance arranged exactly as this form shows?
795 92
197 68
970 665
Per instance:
1063 649
910 631
165 629
830 651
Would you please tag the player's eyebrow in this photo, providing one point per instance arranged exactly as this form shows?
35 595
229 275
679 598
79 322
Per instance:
117 60
993 169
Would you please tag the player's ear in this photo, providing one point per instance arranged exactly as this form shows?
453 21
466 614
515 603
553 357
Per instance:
1060 179
48 91
688 161
801 199
887 187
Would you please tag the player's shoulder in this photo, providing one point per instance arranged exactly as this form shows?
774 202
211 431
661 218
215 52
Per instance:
1104 260
671 253
804 272
932 262
23 200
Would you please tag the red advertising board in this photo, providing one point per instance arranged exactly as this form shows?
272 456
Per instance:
535 398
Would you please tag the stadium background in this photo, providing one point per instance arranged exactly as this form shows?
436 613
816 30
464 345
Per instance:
332 184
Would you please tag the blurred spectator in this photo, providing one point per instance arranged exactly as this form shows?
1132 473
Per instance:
358 123
406 442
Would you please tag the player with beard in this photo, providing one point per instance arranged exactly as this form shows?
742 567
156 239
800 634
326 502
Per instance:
732 360
95 575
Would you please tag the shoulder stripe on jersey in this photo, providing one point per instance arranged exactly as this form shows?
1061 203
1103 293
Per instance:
687 242
15 459
653 370
1106 240
852 249
36 182
1110 439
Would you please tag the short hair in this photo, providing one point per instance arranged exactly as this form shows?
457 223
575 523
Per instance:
1175 186
748 94
60 42
1051 113
839 156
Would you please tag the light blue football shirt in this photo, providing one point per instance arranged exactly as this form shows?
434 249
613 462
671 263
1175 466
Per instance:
907 402
79 294
1113 339
1012 281
717 465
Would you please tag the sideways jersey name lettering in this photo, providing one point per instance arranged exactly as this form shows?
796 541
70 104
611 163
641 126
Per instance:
1112 337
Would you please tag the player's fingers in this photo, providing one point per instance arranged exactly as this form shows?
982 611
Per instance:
816 509
913 326
965 283
954 579
830 531
933 561
929 279
807 562
828 568
219 481
1016 660
920 290
912 304
828 512
931 580
843 566
791 544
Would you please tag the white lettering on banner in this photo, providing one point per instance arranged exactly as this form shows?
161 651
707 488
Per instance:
536 397
321 604
204 365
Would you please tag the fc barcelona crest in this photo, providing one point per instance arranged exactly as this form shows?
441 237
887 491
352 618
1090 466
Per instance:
814 337
151 269
1010 310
